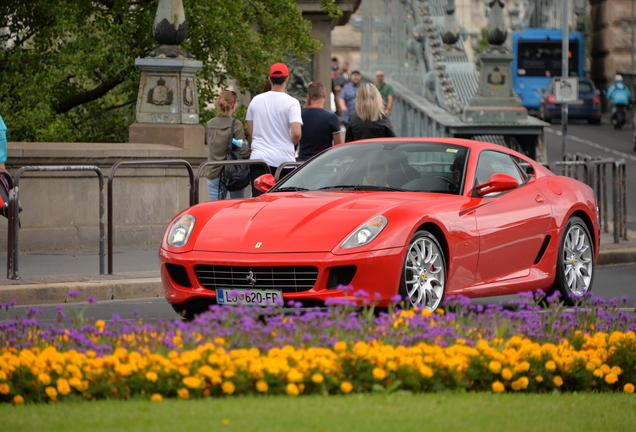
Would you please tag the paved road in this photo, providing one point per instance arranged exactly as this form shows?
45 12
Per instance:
602 141
613 281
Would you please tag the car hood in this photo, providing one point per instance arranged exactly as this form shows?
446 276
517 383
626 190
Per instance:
307 222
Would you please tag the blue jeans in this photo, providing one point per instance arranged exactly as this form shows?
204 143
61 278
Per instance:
217 190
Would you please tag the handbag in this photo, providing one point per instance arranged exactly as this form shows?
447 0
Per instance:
235 177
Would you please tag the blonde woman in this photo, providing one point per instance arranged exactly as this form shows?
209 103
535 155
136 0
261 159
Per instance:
218 133
369 119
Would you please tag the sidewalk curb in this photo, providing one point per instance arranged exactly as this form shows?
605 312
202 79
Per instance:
129 288
47 293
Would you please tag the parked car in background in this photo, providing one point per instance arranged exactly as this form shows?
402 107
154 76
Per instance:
586 107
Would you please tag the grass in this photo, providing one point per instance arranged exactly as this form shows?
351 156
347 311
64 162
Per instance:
369 413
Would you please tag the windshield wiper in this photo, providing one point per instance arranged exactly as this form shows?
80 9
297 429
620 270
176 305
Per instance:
291 189
359 187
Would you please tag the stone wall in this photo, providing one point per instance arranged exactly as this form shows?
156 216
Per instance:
611 41
61 209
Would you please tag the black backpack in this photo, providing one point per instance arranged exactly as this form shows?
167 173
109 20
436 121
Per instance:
235 177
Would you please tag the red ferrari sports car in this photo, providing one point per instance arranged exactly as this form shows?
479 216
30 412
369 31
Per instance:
415 217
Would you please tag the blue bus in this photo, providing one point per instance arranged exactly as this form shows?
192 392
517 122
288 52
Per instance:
538 59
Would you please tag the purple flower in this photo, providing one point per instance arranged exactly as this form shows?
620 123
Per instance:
92 300
74 293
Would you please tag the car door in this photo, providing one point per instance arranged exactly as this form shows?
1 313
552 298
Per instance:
512 225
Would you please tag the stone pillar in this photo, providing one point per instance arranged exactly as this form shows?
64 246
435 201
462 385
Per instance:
495 101
168 102
321 26
611 39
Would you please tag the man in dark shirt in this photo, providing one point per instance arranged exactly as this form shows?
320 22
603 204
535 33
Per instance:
320 127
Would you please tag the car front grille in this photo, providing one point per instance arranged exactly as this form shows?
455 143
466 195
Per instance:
287 278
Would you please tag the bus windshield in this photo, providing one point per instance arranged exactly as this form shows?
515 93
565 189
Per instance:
543 58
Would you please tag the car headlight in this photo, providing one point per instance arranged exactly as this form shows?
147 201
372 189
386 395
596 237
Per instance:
180 231
365 233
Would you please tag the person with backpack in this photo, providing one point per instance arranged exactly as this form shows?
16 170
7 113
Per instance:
619 96
219 132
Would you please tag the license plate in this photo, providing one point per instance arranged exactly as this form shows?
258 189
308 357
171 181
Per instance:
248 297
577 102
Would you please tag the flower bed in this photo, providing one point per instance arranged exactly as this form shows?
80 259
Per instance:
237 351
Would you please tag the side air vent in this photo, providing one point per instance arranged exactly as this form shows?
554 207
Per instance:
544 246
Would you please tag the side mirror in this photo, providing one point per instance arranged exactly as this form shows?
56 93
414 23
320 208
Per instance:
497 183
265 182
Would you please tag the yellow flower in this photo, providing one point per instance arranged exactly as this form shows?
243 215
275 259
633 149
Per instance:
598 373
44 379
225 422
611 378
340 346
346 387
539 378
17 399
4 388
379 373
524 366
629 388
191 382
317 378
558 381
520 384
550 365
63 386
51 392
156 397
228 387
426 371
292 389
498 387
294 376
616 370
261 386
152 376
506 374
494 366
183 393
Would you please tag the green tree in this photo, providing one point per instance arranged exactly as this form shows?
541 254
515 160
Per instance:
67 66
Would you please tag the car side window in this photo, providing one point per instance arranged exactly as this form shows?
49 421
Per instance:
493 162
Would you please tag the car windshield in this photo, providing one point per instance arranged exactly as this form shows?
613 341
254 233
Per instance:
387 166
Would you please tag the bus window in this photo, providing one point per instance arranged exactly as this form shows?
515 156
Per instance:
536 58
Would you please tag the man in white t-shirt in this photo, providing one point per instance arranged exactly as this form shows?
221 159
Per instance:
273 125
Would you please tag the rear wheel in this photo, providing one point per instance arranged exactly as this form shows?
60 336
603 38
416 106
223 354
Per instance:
423 280
575 263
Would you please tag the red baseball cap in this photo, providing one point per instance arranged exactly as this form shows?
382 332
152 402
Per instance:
278 70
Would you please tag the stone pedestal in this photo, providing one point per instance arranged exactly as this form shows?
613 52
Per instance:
168 103
495 101
184 136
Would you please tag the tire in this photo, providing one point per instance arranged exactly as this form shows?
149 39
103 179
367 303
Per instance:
575 263
423 281
190 311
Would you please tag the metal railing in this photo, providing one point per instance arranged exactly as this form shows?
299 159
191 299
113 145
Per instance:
199 171
10 216
13 246
595 175
111 176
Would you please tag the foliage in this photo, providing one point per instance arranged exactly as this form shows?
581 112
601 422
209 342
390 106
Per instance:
68 70
250 351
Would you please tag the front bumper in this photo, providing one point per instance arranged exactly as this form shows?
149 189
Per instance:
376 273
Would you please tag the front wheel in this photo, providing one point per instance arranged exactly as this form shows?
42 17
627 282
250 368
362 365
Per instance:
575 263
423 281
